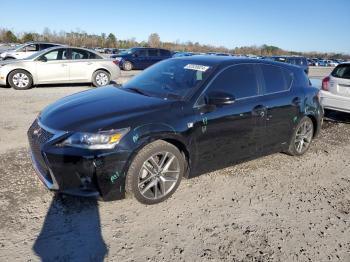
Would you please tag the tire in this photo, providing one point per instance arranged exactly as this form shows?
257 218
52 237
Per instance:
101 78
146 184
301 138
20 79
127 66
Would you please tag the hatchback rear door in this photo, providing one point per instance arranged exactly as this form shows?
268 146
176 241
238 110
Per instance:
340 80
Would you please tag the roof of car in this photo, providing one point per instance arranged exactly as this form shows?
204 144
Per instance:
229 60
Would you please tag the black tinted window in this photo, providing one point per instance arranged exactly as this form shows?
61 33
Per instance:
239 81
142 52
342 71
298 61
276 79
153 52
83 54
164 52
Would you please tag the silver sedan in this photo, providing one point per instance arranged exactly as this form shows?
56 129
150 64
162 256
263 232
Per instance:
59 65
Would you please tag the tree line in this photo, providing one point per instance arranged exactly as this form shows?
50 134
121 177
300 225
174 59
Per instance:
83 39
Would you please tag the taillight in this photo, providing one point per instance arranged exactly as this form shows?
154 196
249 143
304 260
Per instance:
325 83
116 62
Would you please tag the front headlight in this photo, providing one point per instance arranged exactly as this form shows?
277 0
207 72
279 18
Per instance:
100 140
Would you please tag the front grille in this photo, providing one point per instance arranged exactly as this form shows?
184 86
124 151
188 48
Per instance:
37 136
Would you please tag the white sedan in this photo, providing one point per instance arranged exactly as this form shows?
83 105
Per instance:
335 93
59 65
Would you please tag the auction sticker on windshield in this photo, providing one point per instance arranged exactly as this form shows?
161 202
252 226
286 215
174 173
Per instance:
201 68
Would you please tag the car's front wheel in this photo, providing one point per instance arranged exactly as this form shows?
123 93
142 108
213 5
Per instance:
155 173
302 137
100 78
20 79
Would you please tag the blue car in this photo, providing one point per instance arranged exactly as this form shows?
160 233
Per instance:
294 60
140 57
181 54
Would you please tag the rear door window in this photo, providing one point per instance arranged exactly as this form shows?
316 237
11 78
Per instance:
342 71
78 54
276 79
142 52
240 81
153 52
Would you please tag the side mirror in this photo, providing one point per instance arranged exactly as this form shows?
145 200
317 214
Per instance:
220 98
134 55
42 59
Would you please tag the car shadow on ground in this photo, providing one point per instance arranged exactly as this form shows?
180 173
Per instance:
71 231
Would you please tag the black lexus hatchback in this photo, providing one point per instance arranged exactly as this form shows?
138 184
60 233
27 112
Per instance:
179 118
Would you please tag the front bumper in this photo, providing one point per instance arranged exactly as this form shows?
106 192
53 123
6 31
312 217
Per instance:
76 171
335 102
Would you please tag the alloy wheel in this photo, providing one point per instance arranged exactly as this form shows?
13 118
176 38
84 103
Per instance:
102 79
20 80
158 175
303 136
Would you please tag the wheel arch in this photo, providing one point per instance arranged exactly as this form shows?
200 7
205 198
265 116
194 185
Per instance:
8 75
169 138
314 122
102 69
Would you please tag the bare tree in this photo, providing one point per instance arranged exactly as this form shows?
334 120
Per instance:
154 40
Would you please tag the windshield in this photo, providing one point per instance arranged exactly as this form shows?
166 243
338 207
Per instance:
172 78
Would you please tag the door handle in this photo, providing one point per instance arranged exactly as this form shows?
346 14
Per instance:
259 110
296 101
89 63
64 65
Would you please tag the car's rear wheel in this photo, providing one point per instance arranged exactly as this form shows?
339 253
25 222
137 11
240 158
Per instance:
127 66
101 78
155 173
302 137
20 79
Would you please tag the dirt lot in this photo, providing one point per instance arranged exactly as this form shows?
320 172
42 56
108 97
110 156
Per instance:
276 208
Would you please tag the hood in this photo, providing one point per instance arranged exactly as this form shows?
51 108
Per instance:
10 61
7 50
100 109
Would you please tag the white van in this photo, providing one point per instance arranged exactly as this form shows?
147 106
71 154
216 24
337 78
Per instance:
25 50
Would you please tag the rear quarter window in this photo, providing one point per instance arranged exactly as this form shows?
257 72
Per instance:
341 71
276 79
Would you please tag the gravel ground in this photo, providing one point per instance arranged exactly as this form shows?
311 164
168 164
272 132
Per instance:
276 208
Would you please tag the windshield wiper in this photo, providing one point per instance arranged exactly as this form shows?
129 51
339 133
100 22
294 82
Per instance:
137 90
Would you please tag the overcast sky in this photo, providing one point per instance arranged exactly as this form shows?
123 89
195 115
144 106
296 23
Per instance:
299 25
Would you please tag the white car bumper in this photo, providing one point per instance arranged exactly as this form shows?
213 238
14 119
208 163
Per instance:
335 102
